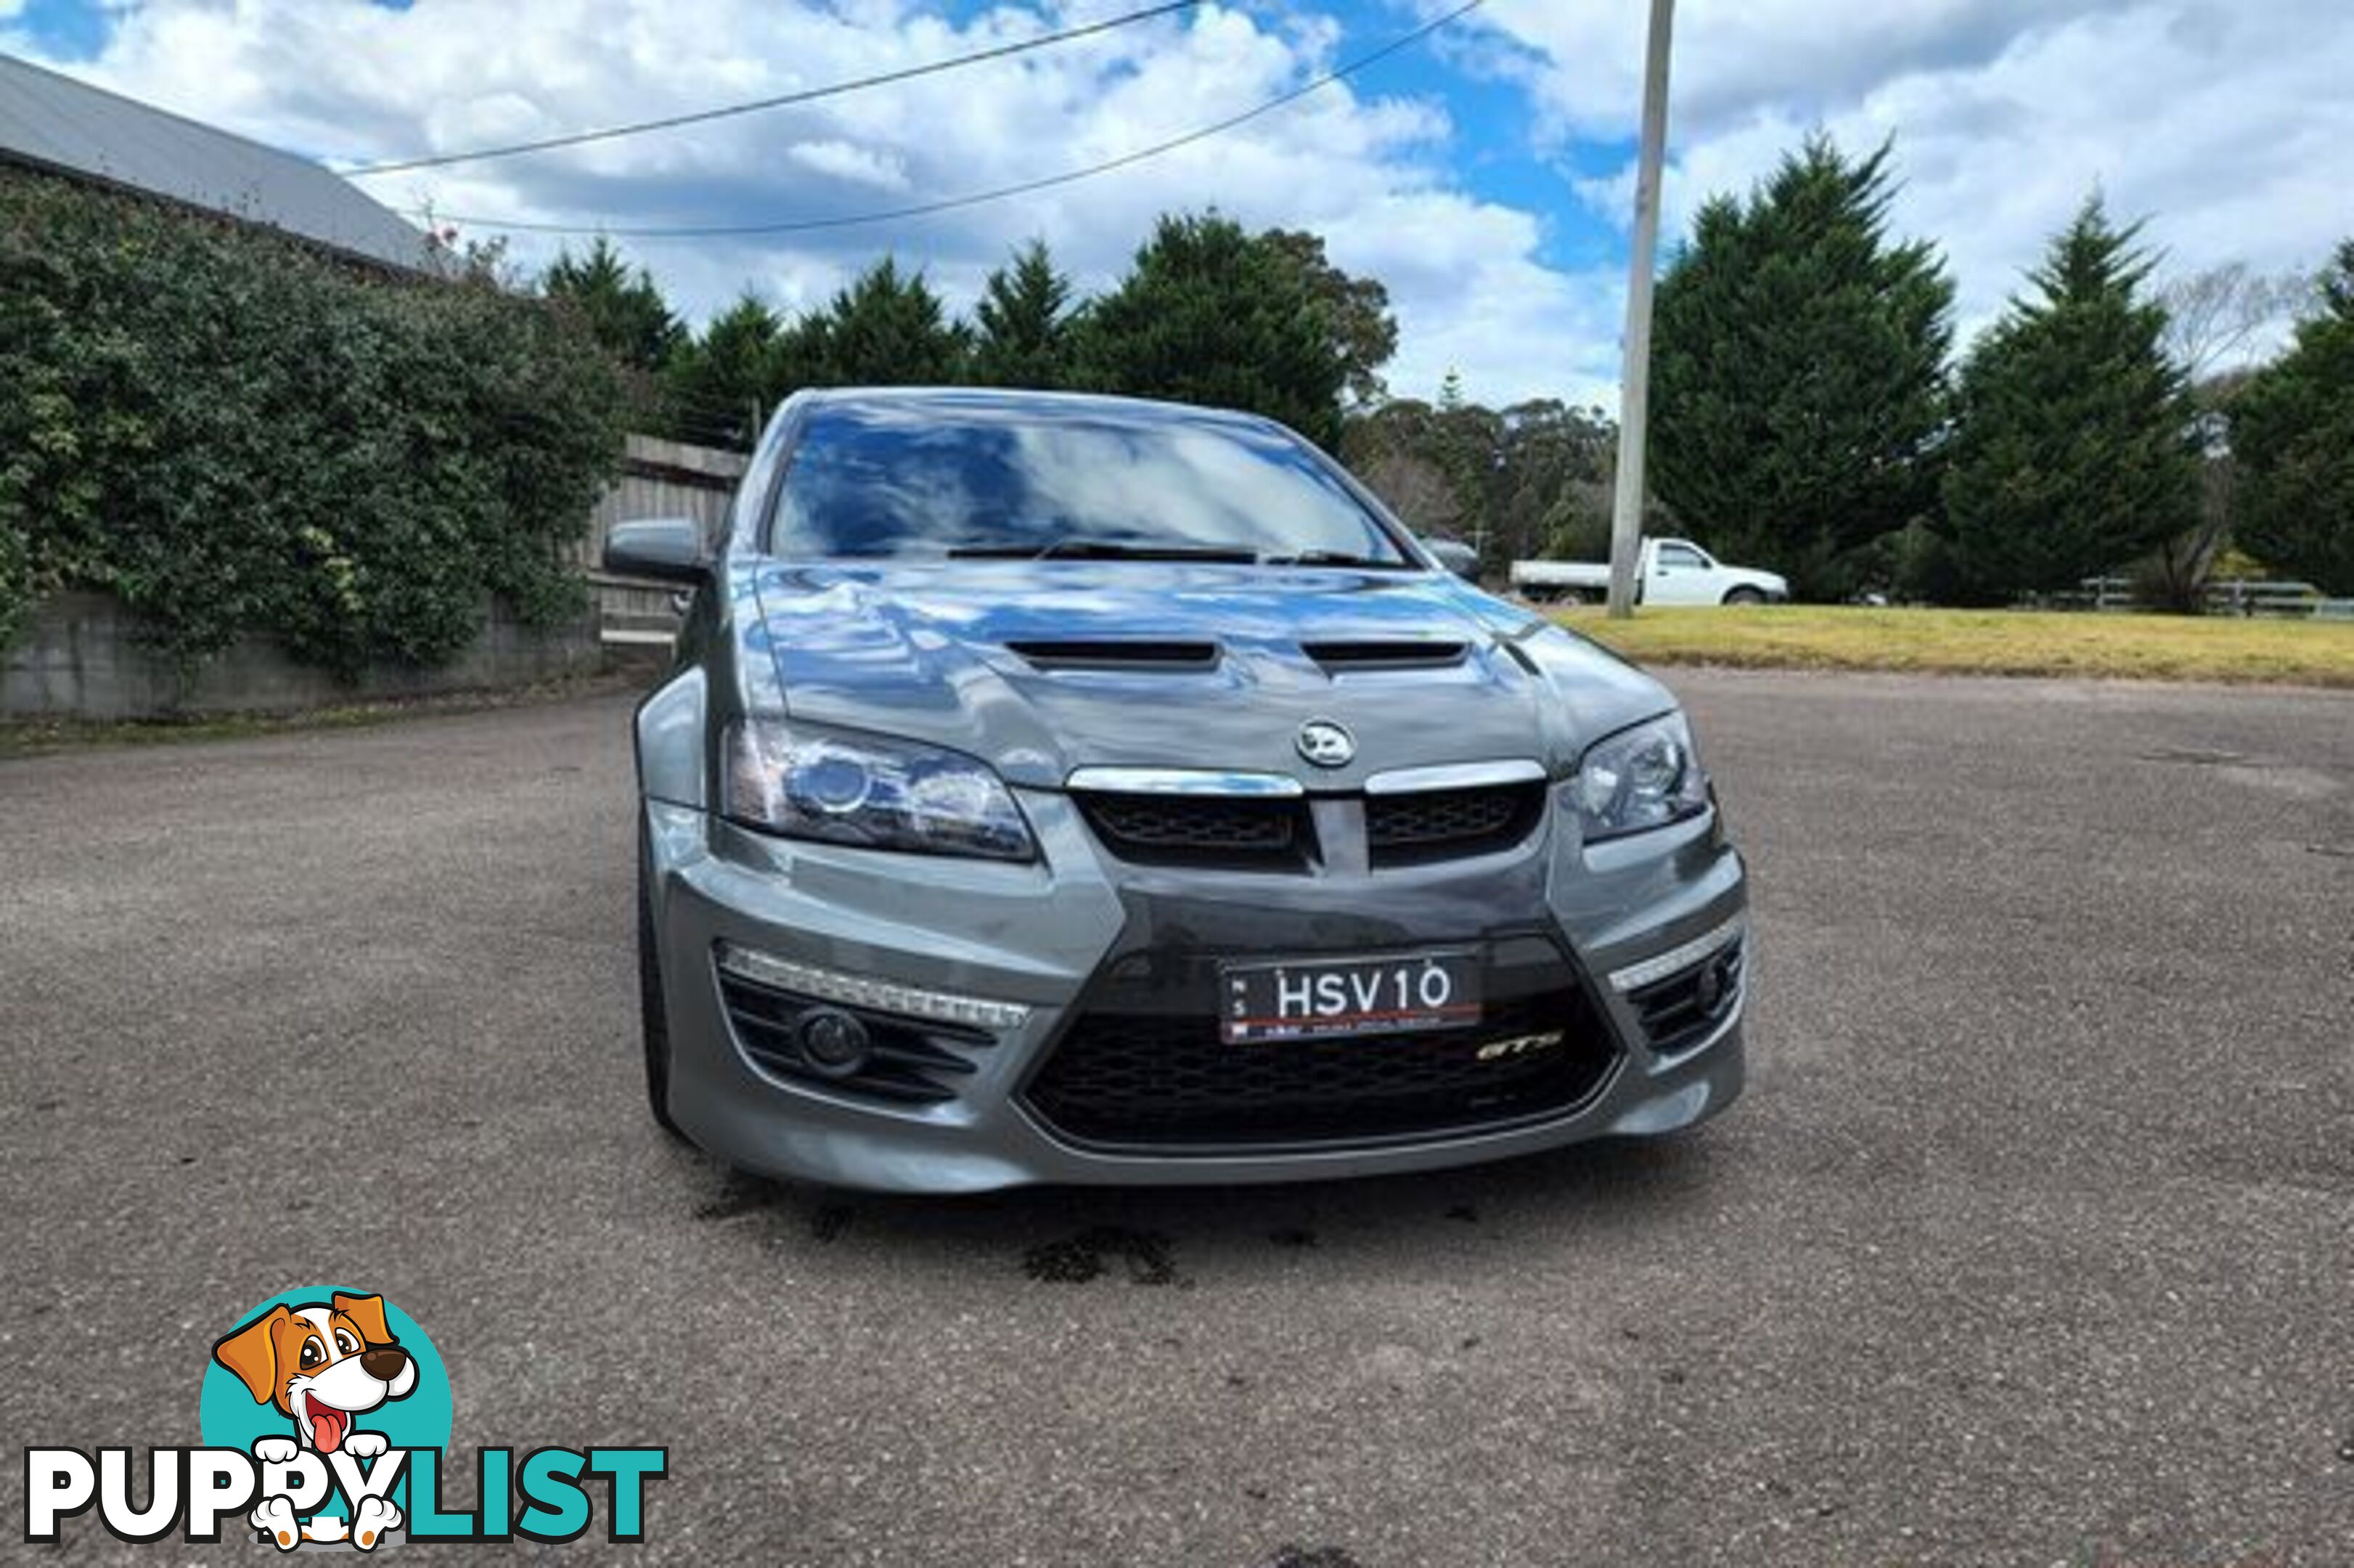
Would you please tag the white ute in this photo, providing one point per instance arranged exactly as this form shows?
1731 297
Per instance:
1668 571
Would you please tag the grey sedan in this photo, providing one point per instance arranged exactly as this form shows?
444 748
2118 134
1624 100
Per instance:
1072 789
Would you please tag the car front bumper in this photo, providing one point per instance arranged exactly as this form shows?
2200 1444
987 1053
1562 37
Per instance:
1047 936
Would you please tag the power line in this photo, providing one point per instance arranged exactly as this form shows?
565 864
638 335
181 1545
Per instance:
754 106
975 198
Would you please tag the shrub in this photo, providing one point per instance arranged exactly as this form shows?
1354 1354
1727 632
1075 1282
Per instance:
1911 565
15 592
230 431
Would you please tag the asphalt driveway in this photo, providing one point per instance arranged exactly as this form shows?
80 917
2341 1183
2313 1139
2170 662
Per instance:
2033 1243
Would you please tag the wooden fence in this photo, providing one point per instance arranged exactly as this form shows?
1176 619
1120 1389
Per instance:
659 479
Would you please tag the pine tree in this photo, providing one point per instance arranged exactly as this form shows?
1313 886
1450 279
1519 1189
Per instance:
2073 450
1798 371
1207 315
1467 436
2293 439
1025 330
719 383
1356 310
887 329
625 312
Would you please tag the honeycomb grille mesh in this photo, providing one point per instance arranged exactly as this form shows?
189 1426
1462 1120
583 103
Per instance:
1211 828
1459 822
1162 1081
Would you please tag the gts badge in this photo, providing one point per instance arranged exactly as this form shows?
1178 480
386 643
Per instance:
1517 1045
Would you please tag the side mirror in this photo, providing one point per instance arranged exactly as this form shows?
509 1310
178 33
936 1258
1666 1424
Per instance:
669 549
1454 556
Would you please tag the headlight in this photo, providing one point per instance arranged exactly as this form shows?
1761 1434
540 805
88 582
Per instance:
1646 777
863 789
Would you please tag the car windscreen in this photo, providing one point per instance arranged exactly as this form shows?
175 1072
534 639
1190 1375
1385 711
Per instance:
924 482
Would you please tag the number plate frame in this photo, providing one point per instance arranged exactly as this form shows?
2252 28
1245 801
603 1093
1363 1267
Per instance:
1327 998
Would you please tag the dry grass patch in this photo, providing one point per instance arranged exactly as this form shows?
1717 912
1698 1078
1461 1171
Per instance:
1984 643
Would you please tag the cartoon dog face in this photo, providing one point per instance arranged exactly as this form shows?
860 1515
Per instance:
323 1364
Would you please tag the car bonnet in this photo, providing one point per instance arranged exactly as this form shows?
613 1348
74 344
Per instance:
1040 668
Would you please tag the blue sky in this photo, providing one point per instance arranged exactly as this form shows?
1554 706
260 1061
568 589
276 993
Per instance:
65 30
1492 154
1483 176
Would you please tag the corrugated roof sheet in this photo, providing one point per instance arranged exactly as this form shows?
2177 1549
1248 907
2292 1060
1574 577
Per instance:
55 121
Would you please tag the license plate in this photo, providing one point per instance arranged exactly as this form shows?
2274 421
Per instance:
1316 998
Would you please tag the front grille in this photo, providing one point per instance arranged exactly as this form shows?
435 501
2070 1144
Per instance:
1259 833
1679 1012
910 1062
1435 823
1201 830
1171 1082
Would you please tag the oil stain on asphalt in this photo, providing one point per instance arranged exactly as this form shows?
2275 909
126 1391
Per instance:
827 1223
1077 1260
737 1194
1311 1557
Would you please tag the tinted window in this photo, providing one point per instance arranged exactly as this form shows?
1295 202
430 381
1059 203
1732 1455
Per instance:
934 477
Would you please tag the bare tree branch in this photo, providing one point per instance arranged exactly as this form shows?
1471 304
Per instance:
2215 316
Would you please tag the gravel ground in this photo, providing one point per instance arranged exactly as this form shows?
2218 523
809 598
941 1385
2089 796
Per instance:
2032 1243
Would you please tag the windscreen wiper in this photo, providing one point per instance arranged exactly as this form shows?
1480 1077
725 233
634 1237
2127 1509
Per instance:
1102 550
1335 558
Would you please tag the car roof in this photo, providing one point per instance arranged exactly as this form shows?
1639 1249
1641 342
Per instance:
1005 402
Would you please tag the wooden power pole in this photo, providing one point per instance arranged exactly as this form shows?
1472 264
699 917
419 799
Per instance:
1634 377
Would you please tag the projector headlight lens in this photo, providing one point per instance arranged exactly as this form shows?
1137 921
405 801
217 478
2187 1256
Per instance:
1639 778
880 793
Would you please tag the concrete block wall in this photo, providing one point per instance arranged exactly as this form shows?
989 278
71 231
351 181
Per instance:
81 657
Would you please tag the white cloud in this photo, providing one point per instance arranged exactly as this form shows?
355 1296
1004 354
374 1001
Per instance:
1735 58
851 164
347 79
2228 126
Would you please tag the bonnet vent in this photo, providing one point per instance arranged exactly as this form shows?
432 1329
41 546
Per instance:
1420 653
1118 654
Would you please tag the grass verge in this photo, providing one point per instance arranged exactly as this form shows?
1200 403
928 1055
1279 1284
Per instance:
35 737
1984 643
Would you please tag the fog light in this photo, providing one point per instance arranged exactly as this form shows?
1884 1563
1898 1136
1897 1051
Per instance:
833 1042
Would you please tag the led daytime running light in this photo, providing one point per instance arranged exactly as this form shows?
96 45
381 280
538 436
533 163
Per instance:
860 990
1660 965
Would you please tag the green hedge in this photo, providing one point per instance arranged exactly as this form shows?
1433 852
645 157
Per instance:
232 432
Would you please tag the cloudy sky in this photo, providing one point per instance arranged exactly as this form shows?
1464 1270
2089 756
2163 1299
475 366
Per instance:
1483 175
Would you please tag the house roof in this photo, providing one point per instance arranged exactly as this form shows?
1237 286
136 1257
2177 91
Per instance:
55 122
